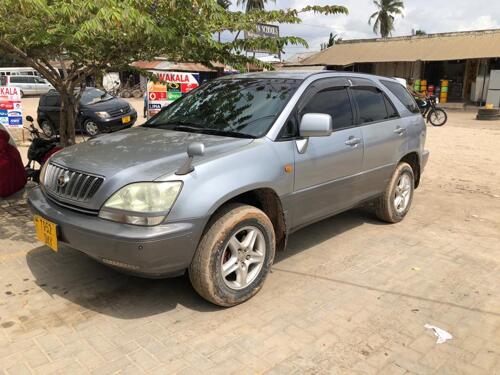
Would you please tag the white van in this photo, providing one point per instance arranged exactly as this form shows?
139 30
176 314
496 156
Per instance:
18 71
28 85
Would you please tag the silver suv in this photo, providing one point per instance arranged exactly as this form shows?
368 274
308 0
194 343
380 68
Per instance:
267 154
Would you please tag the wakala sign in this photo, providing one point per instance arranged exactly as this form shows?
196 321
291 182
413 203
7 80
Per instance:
171 86
11 113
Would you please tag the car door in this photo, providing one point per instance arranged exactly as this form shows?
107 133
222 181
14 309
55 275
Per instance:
384 136
42 86
326 167
53 108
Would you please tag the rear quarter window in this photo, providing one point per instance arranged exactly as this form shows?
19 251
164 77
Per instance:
402 94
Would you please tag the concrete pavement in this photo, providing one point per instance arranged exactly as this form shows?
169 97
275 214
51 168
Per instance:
350 296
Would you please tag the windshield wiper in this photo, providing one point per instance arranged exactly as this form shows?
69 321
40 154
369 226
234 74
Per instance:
199 128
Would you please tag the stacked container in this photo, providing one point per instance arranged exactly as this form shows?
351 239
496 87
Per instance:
423 87
443 97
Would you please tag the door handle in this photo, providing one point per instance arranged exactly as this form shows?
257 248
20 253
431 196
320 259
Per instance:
399 130
353 141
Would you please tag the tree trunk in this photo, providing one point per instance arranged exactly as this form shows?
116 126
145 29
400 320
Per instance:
68 119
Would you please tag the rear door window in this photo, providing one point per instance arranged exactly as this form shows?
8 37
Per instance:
53 101
402 94
334 102
371 104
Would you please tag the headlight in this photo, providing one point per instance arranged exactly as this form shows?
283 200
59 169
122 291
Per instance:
142 203
103 114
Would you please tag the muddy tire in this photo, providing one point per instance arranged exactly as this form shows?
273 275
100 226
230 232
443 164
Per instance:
396 201
234 256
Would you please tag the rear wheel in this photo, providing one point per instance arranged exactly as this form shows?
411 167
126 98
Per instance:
90 127
47 129
437 117
234 255
21 93
395 203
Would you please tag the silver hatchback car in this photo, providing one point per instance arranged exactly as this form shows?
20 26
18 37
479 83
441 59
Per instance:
267 154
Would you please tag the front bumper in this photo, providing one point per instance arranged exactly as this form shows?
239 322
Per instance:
116 123
154 252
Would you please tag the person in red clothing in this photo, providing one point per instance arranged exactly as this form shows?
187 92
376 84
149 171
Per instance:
12 173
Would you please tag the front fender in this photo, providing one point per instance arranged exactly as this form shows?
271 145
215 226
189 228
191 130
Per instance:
259 164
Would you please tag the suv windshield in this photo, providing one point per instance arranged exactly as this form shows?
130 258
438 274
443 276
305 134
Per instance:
91 96
234 107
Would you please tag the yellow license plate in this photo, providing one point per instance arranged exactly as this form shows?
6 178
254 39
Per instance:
125 119
46 232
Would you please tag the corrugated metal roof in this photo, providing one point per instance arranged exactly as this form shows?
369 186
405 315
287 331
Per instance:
169 65
432 47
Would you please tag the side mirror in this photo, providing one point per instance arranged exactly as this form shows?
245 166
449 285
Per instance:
29 118
193 149
316 125
196 149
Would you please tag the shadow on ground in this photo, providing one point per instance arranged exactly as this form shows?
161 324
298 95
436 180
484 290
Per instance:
85 282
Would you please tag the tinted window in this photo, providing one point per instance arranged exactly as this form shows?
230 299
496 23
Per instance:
235 107
334 102
391 111
53 101
15 79
403 95
3 81
371 104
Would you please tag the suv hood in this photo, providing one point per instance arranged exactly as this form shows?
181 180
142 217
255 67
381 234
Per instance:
141 154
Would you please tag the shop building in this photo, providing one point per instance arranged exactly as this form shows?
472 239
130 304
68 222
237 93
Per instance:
459 63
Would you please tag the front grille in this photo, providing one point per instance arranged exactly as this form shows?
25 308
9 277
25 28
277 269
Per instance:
65 183
119 111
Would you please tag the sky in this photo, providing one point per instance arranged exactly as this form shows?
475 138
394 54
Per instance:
432 16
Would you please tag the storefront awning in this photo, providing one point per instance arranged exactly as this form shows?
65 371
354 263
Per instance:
432 47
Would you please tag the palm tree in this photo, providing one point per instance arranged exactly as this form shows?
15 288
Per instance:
253 4
333 39
384 16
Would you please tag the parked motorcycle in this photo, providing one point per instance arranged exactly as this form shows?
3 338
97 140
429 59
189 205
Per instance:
39 151
432 113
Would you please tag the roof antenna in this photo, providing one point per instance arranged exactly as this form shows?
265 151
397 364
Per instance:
194 149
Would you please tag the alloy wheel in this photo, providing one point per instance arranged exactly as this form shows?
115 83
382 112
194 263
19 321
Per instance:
91 128
402 193
243 257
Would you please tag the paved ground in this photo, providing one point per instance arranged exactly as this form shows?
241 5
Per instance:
351 295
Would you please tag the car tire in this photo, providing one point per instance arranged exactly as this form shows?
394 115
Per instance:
234 255
47 129
90 128
21 93
395 203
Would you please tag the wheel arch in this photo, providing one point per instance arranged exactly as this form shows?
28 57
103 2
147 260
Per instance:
413 159
266 200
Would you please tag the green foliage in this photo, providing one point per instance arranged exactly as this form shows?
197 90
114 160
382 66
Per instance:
90 37
251 5
384 16
420 32
333 39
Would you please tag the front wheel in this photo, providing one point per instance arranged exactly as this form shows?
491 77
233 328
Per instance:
395 203
234 256
90 128
437 117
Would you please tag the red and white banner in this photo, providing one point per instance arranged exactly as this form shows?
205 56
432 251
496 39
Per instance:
11 113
